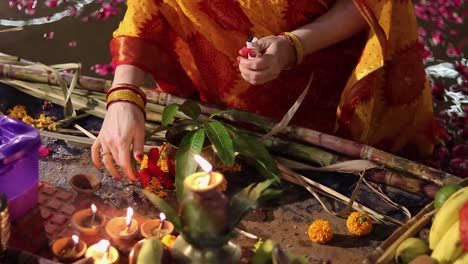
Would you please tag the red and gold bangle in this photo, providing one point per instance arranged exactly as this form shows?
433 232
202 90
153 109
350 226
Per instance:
129 87
126 101
126 95
115 89
296 43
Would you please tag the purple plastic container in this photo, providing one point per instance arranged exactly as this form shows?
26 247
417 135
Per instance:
19 165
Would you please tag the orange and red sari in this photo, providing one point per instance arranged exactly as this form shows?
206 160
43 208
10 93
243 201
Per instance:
370 88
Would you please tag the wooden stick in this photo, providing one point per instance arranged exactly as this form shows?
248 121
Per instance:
343 146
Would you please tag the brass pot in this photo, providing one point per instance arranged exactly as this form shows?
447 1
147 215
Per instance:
182 252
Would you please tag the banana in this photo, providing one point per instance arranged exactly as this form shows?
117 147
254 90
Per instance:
462 259
450 246
446 216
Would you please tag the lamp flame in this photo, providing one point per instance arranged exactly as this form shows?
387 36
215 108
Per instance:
128 219
93 208
204 164
162 216
103 246
76 240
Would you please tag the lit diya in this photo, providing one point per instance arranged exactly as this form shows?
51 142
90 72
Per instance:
88 221
103 253
122 229
69 249
157 227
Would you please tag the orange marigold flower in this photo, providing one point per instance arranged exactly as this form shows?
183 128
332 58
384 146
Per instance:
359 224
320 231
18 112
28 120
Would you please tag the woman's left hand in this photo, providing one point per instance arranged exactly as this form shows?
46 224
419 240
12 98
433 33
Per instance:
277 54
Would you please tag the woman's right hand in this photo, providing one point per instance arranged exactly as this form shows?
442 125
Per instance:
123 130
122 134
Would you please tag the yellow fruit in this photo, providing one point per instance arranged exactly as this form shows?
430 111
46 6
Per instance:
411 248
446 216
450 246
320 231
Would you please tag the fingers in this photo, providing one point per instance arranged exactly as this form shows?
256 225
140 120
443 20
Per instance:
125 164
260 70
95 157
108 160
138 145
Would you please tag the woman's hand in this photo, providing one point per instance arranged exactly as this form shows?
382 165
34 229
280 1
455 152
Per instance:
277 54
123 130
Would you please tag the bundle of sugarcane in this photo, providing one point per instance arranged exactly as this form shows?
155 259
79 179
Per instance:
86 94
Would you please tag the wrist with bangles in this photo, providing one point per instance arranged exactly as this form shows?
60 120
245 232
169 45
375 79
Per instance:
129 93
296 44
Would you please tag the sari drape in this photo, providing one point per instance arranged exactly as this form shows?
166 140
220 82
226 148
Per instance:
370 88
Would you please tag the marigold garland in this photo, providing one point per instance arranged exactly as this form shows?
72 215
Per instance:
320 231
359 224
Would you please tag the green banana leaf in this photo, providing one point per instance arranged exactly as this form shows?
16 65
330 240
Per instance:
220 138
191 144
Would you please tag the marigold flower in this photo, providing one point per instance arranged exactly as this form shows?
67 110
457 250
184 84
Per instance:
168 240
320 231
28 120
359 224
18 112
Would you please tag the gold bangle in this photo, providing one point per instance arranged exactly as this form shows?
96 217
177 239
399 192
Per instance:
127 95
128 86
297 46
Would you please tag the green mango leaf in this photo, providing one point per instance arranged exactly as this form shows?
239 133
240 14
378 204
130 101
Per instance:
246 117
191 108
248 199
169 113
151 252
254 149
171 214
191 144
220 138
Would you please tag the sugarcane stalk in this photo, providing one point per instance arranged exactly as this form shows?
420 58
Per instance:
343 146
46 76
403 182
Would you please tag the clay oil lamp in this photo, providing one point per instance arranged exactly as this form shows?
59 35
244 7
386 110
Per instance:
122 229
69 249
157 227
103 253
88 221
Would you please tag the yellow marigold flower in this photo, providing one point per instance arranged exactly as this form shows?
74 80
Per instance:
144 162
18 112
168 240
28 120
320 231
359 224
162 163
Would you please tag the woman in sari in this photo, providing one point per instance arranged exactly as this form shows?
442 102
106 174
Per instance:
369 82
